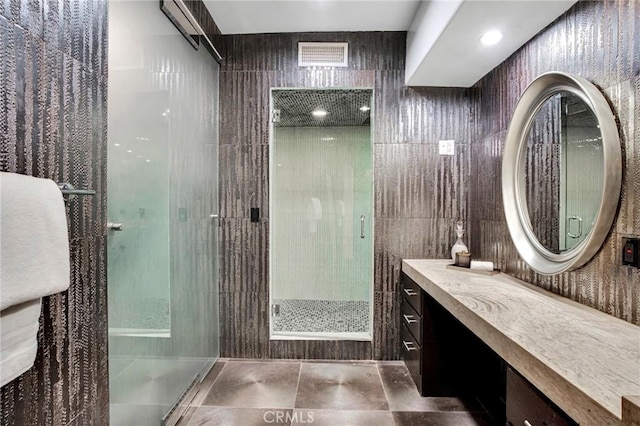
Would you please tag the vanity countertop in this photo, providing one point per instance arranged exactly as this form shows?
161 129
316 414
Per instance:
584 360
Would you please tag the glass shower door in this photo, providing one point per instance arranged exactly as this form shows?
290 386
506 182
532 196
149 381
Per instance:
138 212
162 202
580 192
321 250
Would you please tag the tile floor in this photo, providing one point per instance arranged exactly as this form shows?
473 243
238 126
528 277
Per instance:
319 393
142 390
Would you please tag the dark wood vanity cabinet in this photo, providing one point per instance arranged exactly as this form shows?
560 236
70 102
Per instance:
527 406
444 357
426 342
411 330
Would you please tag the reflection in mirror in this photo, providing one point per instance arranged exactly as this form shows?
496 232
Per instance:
564 168
561 172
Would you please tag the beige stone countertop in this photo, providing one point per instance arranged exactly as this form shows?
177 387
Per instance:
584 360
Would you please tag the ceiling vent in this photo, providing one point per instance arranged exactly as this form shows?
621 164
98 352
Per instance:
317 54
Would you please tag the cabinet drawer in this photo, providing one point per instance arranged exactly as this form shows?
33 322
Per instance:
527 406
412 355
412 293
412 320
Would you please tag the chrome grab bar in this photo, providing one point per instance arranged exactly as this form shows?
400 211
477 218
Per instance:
579 234
69 192
362 226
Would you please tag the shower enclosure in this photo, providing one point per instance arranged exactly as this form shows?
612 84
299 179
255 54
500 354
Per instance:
162 227
321 228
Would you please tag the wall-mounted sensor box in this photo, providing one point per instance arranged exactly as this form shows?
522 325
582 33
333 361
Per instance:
630 248
255 214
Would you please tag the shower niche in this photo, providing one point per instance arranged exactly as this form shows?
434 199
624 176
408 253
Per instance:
321 214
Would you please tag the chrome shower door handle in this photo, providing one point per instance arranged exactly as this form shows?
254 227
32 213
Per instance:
114 226
362 226
579 234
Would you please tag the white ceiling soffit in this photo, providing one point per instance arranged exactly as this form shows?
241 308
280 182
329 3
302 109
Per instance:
268 16
443 43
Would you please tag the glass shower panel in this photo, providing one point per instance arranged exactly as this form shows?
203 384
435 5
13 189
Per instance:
162 203
138 210
321 238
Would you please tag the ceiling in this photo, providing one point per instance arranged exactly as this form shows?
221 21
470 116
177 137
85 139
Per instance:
286 16
443 36
342 106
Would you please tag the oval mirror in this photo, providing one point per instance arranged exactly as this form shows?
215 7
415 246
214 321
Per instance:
561 172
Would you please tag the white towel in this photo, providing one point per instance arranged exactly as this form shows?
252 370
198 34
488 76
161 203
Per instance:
34 245
18 339
34 262
481 266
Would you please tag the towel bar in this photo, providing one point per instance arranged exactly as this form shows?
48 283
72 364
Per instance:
68 191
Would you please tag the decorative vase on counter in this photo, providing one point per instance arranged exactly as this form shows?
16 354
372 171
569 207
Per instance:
459 245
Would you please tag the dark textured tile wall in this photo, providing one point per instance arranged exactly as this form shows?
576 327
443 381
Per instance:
418 194
599 41
53 79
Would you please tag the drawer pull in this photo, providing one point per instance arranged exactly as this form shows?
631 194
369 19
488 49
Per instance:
409 291
409 319
410 346
526 423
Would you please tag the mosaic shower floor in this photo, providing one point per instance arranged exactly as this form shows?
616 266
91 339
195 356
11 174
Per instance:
321 316
149 313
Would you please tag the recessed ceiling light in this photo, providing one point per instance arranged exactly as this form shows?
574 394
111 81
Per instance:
319 113
129 150
116 144
365 108
491 37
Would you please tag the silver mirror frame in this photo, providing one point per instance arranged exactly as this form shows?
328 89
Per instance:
513 173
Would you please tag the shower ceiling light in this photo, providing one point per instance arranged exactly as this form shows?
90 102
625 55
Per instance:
365 108
491 37
319 113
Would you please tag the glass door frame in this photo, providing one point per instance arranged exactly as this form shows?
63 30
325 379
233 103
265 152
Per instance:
336 336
